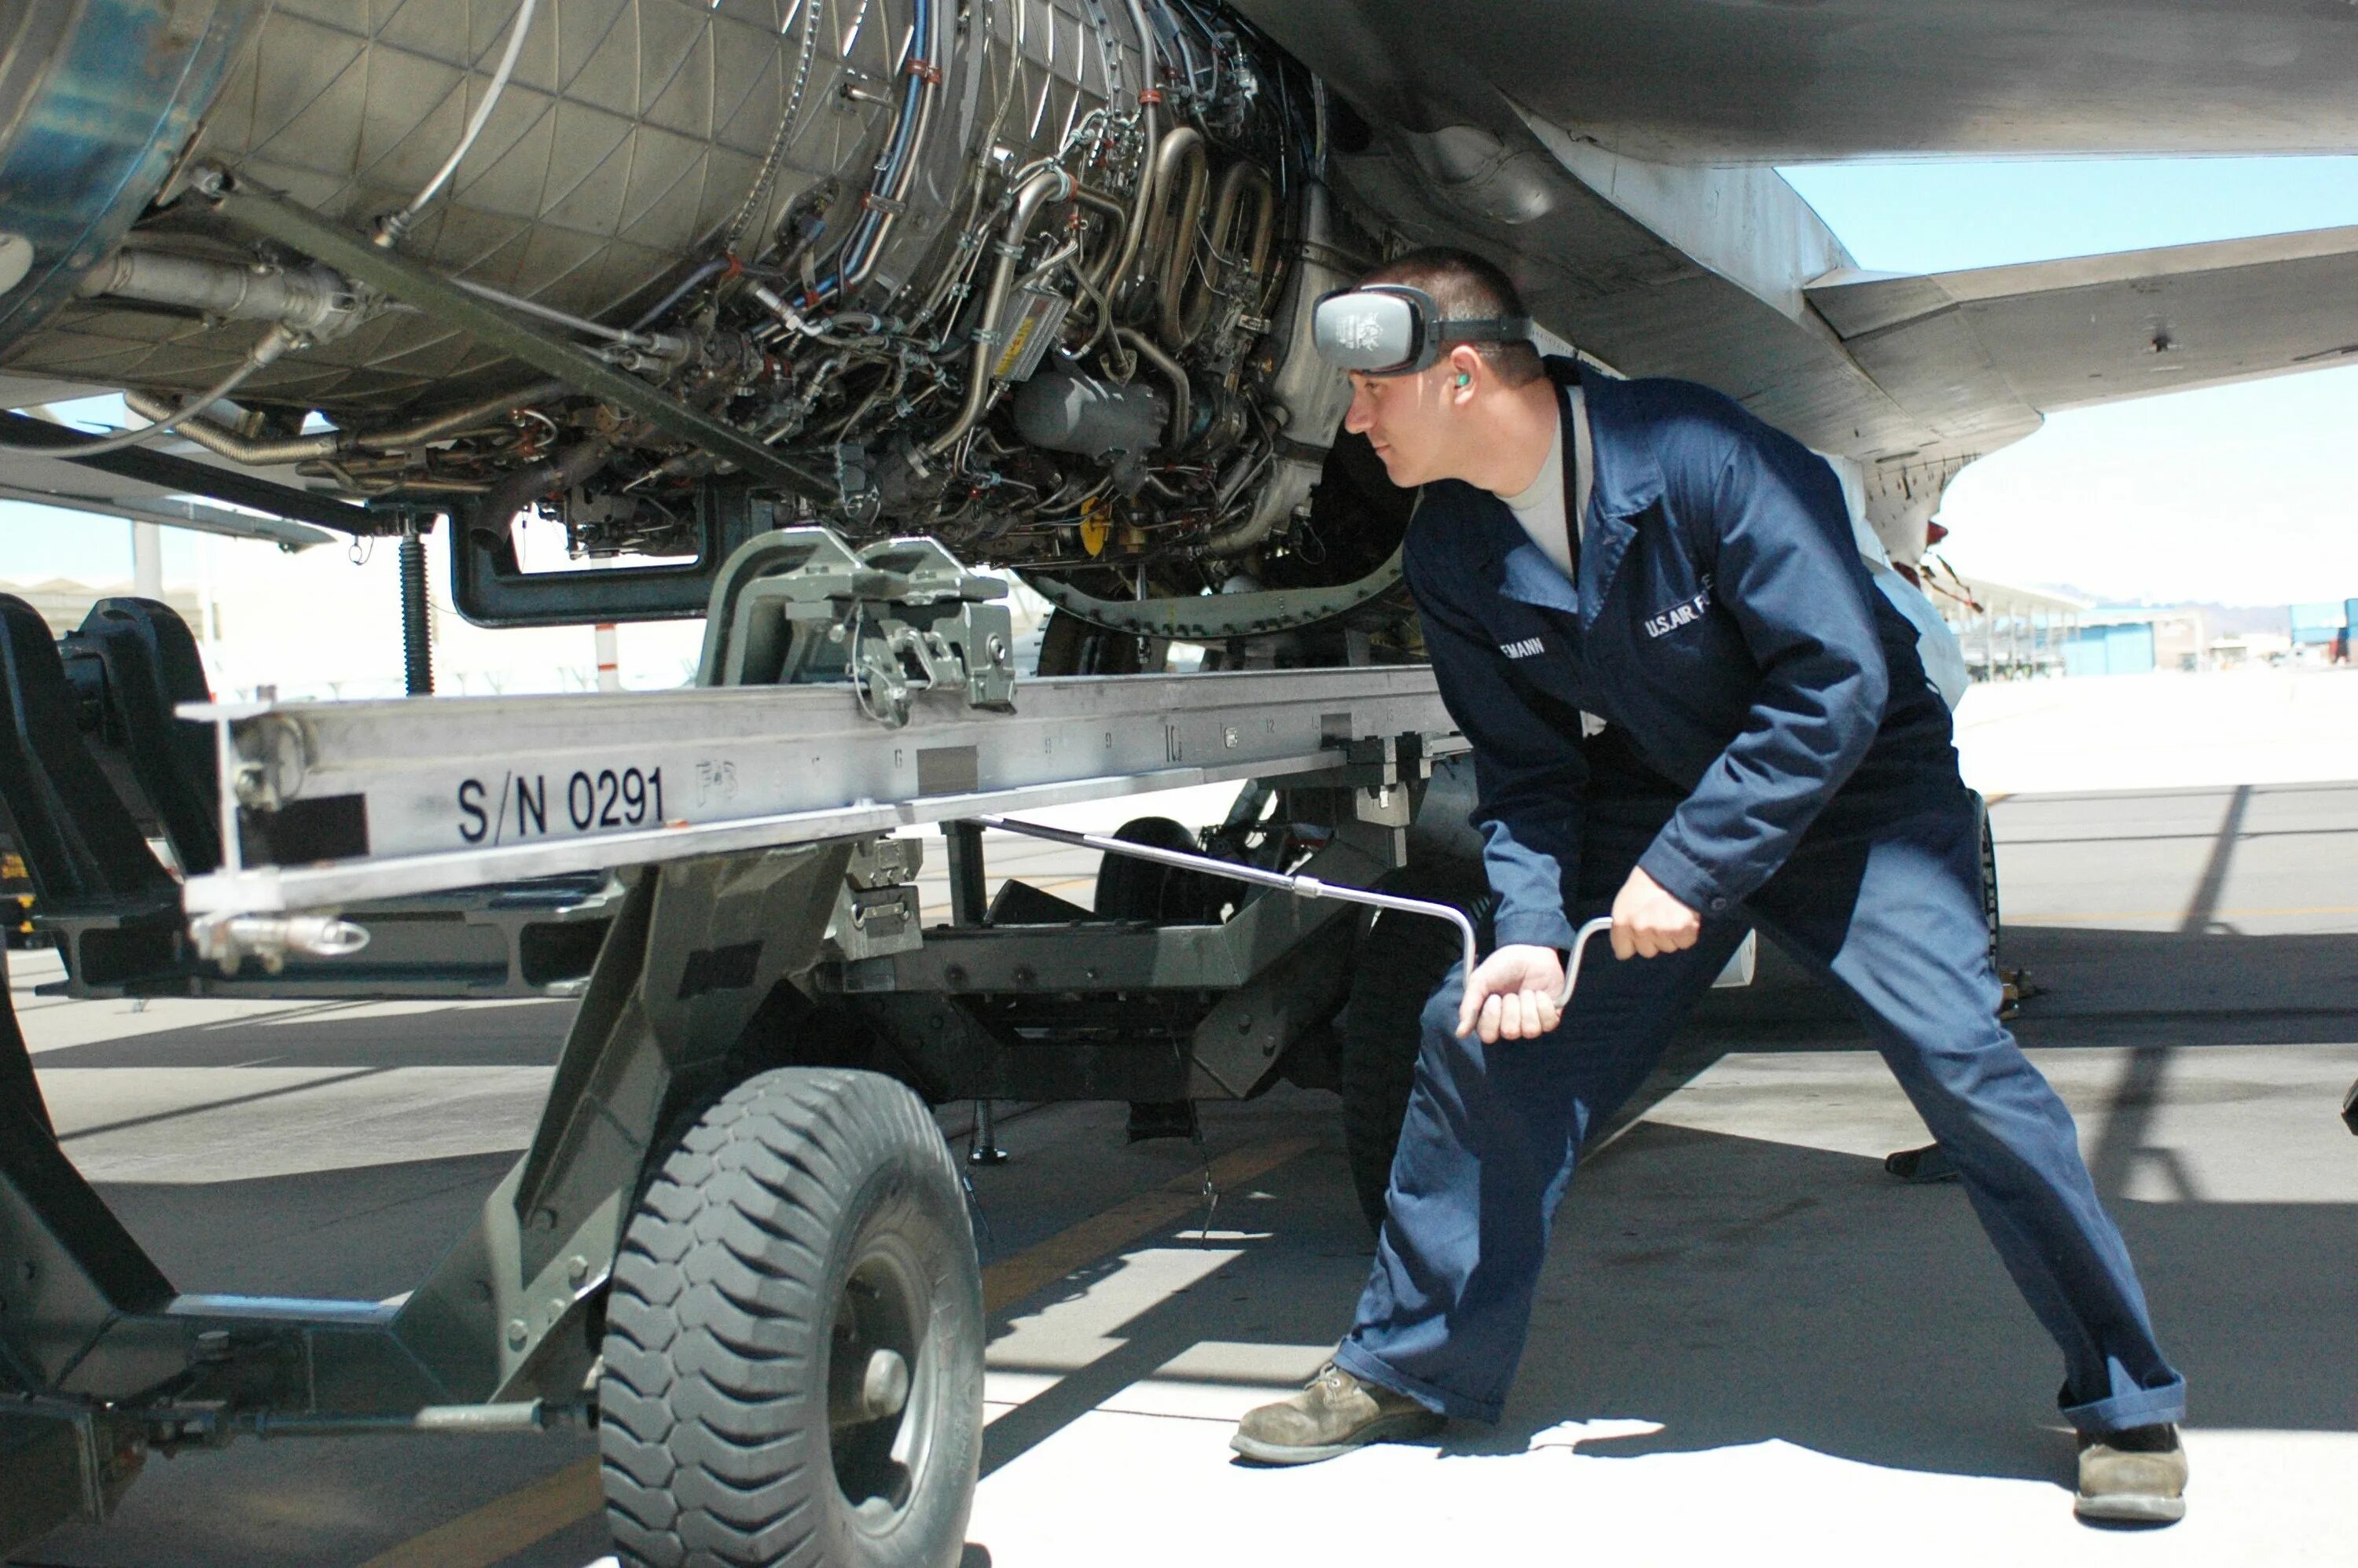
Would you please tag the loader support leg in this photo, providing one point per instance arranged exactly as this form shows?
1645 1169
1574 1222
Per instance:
67 1266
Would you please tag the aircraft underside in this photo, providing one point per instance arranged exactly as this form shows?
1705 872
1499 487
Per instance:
1032 277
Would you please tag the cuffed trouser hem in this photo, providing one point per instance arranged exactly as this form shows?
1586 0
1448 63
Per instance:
1369 1368
2147 1407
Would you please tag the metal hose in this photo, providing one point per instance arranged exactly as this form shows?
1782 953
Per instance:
313 301
395 225
866 247
222 441
275 342
766 175
403 437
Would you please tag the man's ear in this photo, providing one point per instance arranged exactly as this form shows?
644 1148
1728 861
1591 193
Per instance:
1465 375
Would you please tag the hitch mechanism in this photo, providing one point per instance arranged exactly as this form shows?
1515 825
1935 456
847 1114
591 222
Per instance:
895 618
229 939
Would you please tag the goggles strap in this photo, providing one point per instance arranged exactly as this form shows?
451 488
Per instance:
1491 330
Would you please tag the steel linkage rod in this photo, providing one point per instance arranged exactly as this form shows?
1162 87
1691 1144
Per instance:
273 216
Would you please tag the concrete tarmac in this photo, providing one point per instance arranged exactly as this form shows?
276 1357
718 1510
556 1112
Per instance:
1750 1342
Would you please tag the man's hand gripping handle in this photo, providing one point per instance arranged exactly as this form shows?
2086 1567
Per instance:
1520 992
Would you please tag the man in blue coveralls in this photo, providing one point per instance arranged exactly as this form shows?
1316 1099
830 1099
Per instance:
1689 703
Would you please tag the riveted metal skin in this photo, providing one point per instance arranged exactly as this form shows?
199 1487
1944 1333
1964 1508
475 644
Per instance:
97 99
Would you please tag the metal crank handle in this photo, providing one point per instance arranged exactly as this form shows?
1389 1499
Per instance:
1301 886
1572 961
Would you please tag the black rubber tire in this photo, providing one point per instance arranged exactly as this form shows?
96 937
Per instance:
809 1218
1132 889
1398 964
1071 646
1989 875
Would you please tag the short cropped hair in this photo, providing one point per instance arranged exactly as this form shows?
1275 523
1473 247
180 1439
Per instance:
1469 288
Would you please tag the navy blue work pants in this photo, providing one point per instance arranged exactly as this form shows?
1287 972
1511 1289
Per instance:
1893 921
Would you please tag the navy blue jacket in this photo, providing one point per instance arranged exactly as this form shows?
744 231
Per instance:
1725 628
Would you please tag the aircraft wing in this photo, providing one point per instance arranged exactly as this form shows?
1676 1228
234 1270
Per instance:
1975 353
1726 81
137 503
1609 154
159 485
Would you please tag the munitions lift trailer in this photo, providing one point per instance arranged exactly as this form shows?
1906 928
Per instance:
737 1233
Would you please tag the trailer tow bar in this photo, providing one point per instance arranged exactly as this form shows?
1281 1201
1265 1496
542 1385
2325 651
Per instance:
1301 887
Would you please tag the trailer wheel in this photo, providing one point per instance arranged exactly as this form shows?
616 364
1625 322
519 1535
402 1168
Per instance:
1400 963
1133 888
1989 873
794 1338
1071 646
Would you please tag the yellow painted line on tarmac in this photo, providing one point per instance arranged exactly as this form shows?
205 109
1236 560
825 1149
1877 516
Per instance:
501 1527
504 1526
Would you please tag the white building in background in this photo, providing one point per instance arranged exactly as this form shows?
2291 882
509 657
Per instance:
63 602
324 623
2181 636
2007 632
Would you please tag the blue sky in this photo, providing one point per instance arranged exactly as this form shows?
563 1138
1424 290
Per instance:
2239 494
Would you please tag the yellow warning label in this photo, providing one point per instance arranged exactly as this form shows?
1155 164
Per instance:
1014 355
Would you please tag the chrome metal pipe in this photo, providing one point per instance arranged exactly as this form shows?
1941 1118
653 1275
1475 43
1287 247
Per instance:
1048 185
222 441
402 437
1182 155
1147 98
1183 397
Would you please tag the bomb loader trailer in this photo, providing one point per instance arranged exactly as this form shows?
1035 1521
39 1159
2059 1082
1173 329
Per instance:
738 1243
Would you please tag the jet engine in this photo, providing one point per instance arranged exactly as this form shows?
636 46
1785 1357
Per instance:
1032 276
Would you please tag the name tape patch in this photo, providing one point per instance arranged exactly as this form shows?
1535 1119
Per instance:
1684 612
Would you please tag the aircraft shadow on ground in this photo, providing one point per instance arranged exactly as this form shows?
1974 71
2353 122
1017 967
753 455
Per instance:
361 1232
2095 986
1733 1289
1736 1291
525 1034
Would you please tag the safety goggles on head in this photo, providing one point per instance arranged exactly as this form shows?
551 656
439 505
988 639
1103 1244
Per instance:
1389 328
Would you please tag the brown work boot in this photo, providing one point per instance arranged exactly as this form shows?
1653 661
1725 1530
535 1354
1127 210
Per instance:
2137 1476
1335 1414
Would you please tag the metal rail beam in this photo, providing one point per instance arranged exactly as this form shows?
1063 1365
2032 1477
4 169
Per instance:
275 217
346 802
